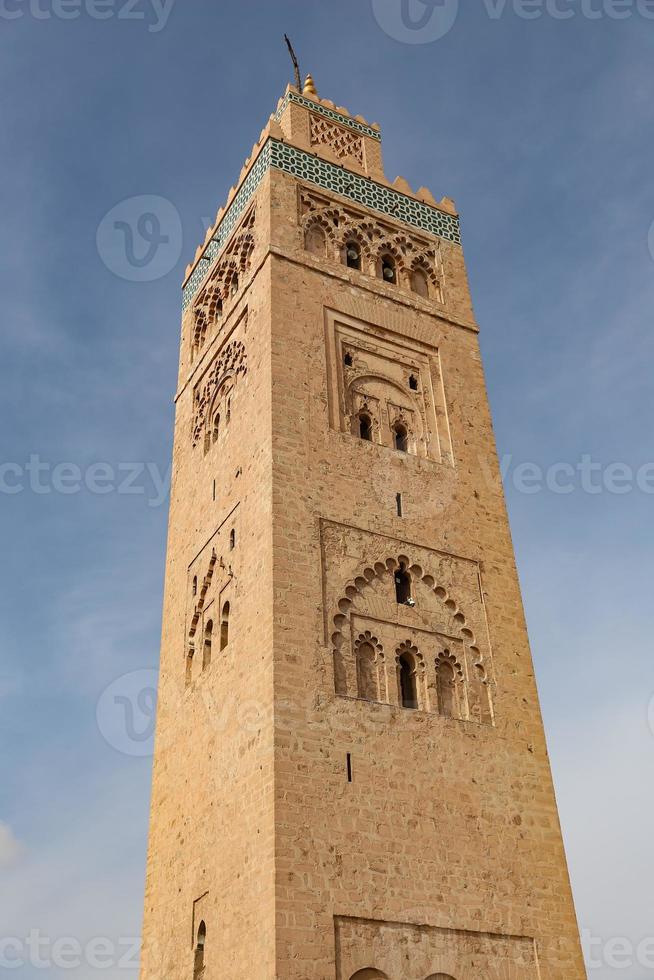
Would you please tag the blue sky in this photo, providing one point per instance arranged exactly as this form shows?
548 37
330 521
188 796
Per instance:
541 130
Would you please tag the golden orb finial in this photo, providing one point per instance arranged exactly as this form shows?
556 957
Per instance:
310 87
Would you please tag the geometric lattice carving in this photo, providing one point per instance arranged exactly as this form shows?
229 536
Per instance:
229 366
342 141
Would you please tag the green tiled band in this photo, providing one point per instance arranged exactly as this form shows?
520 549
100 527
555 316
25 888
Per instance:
305 166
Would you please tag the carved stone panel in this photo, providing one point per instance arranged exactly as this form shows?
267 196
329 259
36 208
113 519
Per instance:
396 383
210 590
435 629
344 142
367 949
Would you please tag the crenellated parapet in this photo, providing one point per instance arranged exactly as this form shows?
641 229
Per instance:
324 145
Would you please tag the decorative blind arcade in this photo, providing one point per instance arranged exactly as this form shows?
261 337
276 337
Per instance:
305 166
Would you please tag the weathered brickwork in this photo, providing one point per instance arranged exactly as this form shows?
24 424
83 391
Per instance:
351 778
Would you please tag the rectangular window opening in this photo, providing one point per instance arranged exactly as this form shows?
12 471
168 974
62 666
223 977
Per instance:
349 768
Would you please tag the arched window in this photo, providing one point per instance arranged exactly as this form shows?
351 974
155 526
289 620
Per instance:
233 286
408 686
446 687
403 587
353 255
401 437
224 627
199 334
189 666
369 974
420 282
367 673
198 966
315 240
215 429
216 307
388 269
365 427
206 653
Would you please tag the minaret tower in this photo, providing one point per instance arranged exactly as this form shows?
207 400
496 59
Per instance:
351 780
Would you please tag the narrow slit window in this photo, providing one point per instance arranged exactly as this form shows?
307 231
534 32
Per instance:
349 767
224 627
232 539
208 639
399 505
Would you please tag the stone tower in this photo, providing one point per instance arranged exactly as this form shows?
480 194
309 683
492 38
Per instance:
351 778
